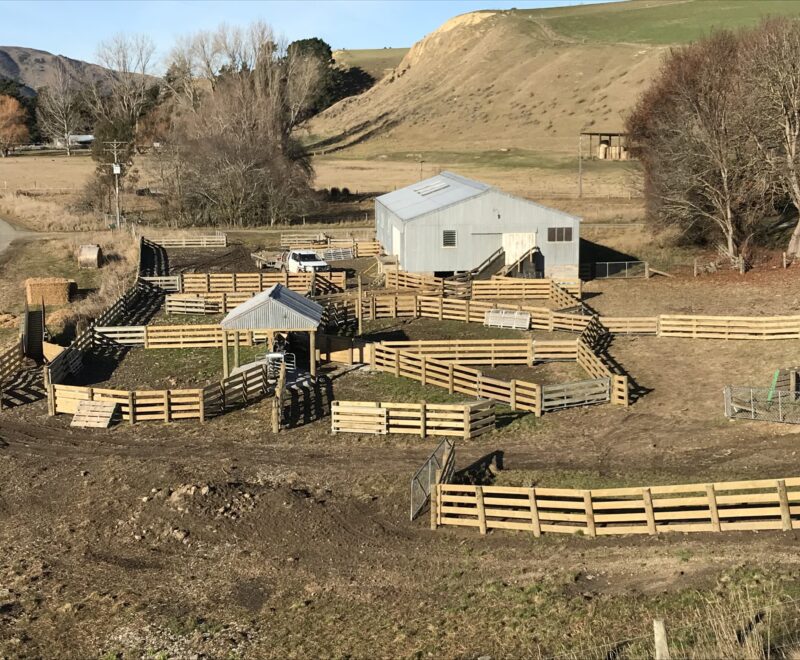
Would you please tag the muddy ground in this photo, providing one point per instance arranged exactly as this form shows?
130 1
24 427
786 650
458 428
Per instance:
224 540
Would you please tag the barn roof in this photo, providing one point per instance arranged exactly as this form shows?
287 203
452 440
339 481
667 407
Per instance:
431 194
277 308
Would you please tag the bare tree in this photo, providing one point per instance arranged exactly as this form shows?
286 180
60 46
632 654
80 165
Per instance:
702 172
130 58
771 77
236 95
58 109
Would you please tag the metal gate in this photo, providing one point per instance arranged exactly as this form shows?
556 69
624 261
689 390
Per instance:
443 458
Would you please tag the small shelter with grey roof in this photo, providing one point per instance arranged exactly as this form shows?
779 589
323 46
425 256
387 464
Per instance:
276 310
451 224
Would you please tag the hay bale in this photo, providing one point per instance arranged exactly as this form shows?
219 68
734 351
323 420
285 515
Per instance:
51 290
90 256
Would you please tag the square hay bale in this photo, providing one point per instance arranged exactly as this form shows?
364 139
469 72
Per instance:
90 256
51 290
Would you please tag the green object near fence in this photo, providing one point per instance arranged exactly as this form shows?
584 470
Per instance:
773 386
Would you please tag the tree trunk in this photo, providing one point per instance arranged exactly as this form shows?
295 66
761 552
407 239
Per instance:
794 241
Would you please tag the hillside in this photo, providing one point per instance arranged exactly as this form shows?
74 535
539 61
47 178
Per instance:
522 83
36 68
377 62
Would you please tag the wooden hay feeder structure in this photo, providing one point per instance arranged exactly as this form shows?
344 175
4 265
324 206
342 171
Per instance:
48 290
90 256
276 310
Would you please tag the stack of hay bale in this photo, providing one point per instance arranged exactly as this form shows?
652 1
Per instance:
50 290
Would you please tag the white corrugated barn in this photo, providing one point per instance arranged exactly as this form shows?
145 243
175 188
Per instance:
449 223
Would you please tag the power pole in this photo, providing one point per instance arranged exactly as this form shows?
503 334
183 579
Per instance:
113 148
580 165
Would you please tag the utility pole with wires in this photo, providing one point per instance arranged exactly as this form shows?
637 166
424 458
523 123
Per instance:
114 147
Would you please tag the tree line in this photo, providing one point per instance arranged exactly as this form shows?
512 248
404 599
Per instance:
218 125
718 137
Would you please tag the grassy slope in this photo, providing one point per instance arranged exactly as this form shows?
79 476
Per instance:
648 22
375 61
528 80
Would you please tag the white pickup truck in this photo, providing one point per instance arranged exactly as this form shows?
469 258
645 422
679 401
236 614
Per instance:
293 261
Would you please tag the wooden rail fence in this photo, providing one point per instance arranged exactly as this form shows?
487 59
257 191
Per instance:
468 420
12 361
767 504
177 336
134 406
217 239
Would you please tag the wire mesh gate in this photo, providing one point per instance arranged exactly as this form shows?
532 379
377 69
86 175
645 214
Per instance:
762 403
443 458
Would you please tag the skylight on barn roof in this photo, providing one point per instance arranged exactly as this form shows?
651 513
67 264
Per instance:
432 188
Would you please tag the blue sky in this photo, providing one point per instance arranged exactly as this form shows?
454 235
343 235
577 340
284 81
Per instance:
75 28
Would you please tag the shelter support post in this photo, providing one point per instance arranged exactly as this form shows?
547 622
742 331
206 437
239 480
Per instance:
312 352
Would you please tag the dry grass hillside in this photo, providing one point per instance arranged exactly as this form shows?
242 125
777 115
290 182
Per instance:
521 84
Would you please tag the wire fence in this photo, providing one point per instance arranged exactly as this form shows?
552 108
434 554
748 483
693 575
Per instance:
763 404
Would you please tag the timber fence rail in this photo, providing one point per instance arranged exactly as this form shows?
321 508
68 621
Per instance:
467 420
217 239
133 405
768 504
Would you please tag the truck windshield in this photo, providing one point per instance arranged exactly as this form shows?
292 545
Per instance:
301 256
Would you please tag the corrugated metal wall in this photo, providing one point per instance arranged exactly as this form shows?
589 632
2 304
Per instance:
479 223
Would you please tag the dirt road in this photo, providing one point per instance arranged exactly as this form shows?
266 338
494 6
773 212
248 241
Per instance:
8 234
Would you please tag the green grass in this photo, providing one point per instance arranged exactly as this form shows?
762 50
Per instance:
669 22
375 61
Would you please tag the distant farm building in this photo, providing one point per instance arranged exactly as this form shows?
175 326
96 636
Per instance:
451 224
607 145
84 141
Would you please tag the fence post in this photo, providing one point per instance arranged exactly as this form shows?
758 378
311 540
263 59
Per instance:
647 270
131 408
423 419
587 505
166 405
513 397
202 405
660 639
712 507
467 317
786 512
435 515
537 527
481 509
441 308
649 513
537 408
51 400
450 378
424 365
467 422
359 311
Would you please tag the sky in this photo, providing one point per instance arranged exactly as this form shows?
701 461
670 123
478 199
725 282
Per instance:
74 28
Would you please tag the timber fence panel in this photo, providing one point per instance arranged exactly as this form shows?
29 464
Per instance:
122 334
170 283
511 288
578 393
12 361
249 385
195 336
148 405
550 351
729 327
769 504
631 325
403 280
255 282
562 298
469 351
468 420
217 239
